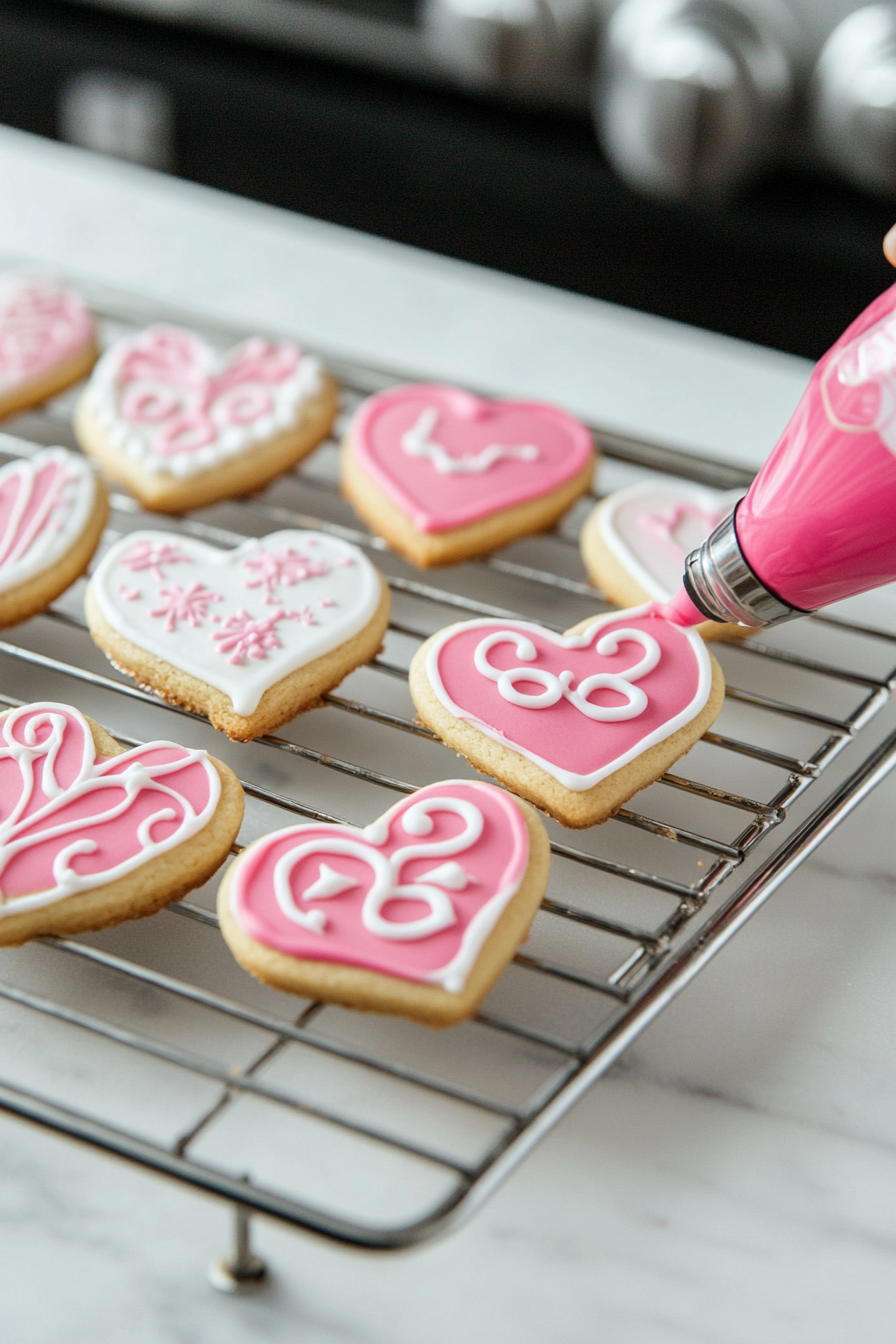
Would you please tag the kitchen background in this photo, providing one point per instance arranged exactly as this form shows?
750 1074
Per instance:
752 142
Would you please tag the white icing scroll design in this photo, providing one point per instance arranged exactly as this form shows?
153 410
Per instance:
559 687
418 442
117 781
387 884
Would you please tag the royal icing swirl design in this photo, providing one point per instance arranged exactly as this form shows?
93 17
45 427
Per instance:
42 326
45 505
422 443
71 821
580 706
414 895
239 620
652 528
171 404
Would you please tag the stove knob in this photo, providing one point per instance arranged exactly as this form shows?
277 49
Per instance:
692 93
523 44
853 98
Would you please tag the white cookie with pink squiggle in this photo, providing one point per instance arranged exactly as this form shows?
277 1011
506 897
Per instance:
92 834
53 507
182 425
250 637
635 542
47 340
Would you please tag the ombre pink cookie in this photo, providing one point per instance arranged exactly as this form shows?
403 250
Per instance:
47 340
401 912
443 474
575 722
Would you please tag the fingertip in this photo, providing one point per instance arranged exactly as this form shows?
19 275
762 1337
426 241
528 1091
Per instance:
890 246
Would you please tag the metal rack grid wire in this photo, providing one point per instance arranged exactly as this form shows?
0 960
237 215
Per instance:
147 1041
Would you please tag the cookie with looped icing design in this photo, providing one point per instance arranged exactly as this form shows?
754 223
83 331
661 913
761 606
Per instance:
576 723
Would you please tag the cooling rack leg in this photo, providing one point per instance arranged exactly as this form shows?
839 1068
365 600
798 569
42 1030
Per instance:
241 1271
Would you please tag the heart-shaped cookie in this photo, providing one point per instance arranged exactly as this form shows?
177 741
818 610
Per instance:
444 475
91 834
578 722
635 542
416 914
47 340
53 508
182 426
250 636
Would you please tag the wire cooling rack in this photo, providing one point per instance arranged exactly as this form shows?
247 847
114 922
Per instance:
148 1040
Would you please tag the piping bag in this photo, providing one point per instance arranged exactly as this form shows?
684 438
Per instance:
819 522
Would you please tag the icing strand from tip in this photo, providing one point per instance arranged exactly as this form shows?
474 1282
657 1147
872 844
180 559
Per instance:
52 780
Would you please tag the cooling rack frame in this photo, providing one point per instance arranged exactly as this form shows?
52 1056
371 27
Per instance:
661 962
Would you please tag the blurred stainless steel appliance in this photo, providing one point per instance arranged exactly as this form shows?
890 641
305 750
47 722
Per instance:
690 97
494 166
692 94
853 99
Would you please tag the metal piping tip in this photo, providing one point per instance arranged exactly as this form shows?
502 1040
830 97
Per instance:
721 584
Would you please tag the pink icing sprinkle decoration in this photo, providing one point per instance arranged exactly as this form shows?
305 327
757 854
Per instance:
273 569
190 605
153 556
243 637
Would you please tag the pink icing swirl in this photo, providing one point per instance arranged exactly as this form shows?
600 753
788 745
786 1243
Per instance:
42 325
71 821
414 895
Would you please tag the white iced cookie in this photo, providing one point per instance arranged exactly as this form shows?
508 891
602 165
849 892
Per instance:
47 340
53 508
181 425
250 637
635 542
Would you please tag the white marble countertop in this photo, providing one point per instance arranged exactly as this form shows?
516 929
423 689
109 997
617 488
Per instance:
733 1179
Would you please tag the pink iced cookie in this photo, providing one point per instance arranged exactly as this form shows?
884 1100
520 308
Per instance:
576 723
416 914
635 542
444 475
91 834
47 340
182 425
